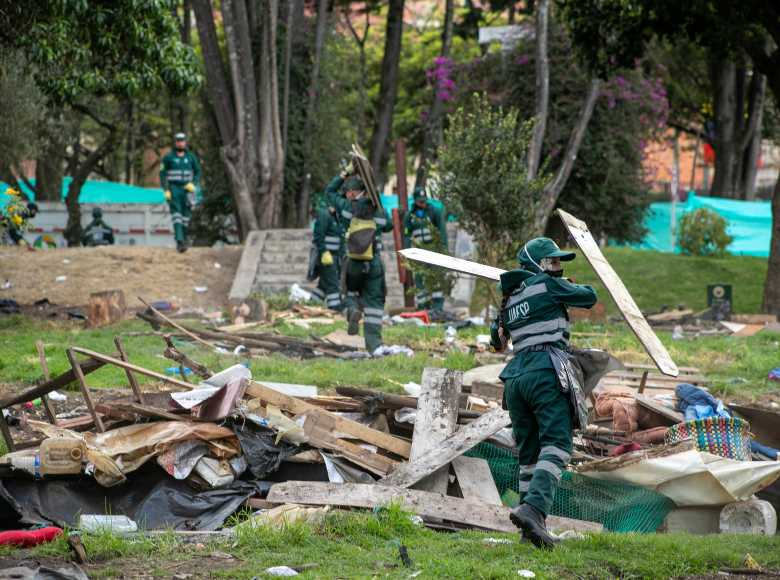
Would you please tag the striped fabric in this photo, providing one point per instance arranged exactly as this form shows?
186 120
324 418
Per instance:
525 328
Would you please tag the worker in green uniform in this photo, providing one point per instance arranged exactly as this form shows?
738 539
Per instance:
179 174
363 275
418 224
15 236
541 395
328 238
98 232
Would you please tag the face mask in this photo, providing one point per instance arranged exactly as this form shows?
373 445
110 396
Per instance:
555 273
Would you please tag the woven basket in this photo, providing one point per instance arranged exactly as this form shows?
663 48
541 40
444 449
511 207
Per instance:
727 437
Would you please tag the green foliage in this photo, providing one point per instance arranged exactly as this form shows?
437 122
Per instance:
483 183
100 46
433 279
702 232
13 213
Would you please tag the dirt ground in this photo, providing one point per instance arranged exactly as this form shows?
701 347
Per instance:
155 274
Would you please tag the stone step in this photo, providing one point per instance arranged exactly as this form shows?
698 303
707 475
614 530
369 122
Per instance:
289 235
292 268
289 257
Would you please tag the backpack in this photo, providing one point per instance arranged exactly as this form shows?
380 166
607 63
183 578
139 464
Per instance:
361 235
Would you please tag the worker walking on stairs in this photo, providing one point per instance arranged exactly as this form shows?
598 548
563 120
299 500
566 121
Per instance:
328 238
420 223
362 275
179 174
541 391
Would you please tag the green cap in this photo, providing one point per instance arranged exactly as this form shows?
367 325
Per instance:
354 183
32 206
419 192
532 253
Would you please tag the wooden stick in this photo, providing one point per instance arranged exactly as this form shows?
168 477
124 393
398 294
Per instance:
47 406
641 388
74 363
176 355
176 326
130 376
124 365
9 441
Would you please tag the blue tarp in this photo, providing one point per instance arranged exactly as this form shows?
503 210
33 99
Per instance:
104 192
750 222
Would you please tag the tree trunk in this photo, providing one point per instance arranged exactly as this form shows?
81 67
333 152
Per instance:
554 188
771 300
723 79
319 41
751 141
186 36
542 89
388 89
48 175
129 146
291 4
361 42
432 123
279 159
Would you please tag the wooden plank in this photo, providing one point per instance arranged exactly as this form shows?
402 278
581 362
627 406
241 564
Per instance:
670 315
176 326
47 406
424 503
74 363
647 403
642 383
116 413
475 480
366 174
299 407
483 389
658 377
145 411
130 375
683 370
437 417
467 437
628 308
136 369
454 264
58 382
764 424
247 265
9 441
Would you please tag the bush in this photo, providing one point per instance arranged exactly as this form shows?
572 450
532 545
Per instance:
702 232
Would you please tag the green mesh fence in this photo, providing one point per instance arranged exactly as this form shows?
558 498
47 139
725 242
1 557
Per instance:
618 506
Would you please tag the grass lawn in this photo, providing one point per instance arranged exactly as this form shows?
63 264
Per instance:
355 545
656 278
719 358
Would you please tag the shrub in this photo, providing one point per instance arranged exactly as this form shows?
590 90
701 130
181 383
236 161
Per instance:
702 232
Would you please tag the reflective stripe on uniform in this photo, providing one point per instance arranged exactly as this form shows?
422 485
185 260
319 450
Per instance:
332 296
318 294
334 239
527 469
540 339
559 453
526 293
375 311
543 326
550 467
346 214
523 486
380 221
438 294
373 320
333 247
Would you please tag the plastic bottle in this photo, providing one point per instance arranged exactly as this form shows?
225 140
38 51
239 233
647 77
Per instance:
451 333
31 464
35 403
102 524
60 455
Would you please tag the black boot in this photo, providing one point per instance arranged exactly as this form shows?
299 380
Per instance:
531 521
181 247
354 322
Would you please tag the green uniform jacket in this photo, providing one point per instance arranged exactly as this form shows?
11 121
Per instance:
98 233
328 234
536 314
344 207
177 170
419 228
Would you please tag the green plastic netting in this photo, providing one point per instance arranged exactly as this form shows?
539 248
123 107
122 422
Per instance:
618 506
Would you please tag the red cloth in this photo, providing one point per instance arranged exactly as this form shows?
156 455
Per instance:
31 539
422 315
626 448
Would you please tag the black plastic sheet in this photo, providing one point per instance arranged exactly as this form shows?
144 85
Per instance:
150 497
261 451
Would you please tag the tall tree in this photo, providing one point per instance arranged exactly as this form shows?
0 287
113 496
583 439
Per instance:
304 211
434 117
249 127
362 78
388 89
542 89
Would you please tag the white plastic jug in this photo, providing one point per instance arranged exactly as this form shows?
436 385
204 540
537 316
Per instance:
101 524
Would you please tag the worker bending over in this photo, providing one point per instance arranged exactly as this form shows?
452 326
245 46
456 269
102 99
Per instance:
97 233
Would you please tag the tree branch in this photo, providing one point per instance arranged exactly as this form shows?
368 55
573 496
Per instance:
84 110
21 175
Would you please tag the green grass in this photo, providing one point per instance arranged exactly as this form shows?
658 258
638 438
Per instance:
719 358
349 546
656 278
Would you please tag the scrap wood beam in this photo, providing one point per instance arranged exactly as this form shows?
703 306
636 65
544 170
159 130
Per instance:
299 407
467 437
590 249
425 503
107 359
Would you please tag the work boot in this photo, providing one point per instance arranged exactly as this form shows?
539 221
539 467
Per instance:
531 521
181 247
354 322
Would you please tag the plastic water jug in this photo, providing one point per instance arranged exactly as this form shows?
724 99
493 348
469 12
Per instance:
60 455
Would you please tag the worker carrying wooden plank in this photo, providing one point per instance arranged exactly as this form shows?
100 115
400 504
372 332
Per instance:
543 393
